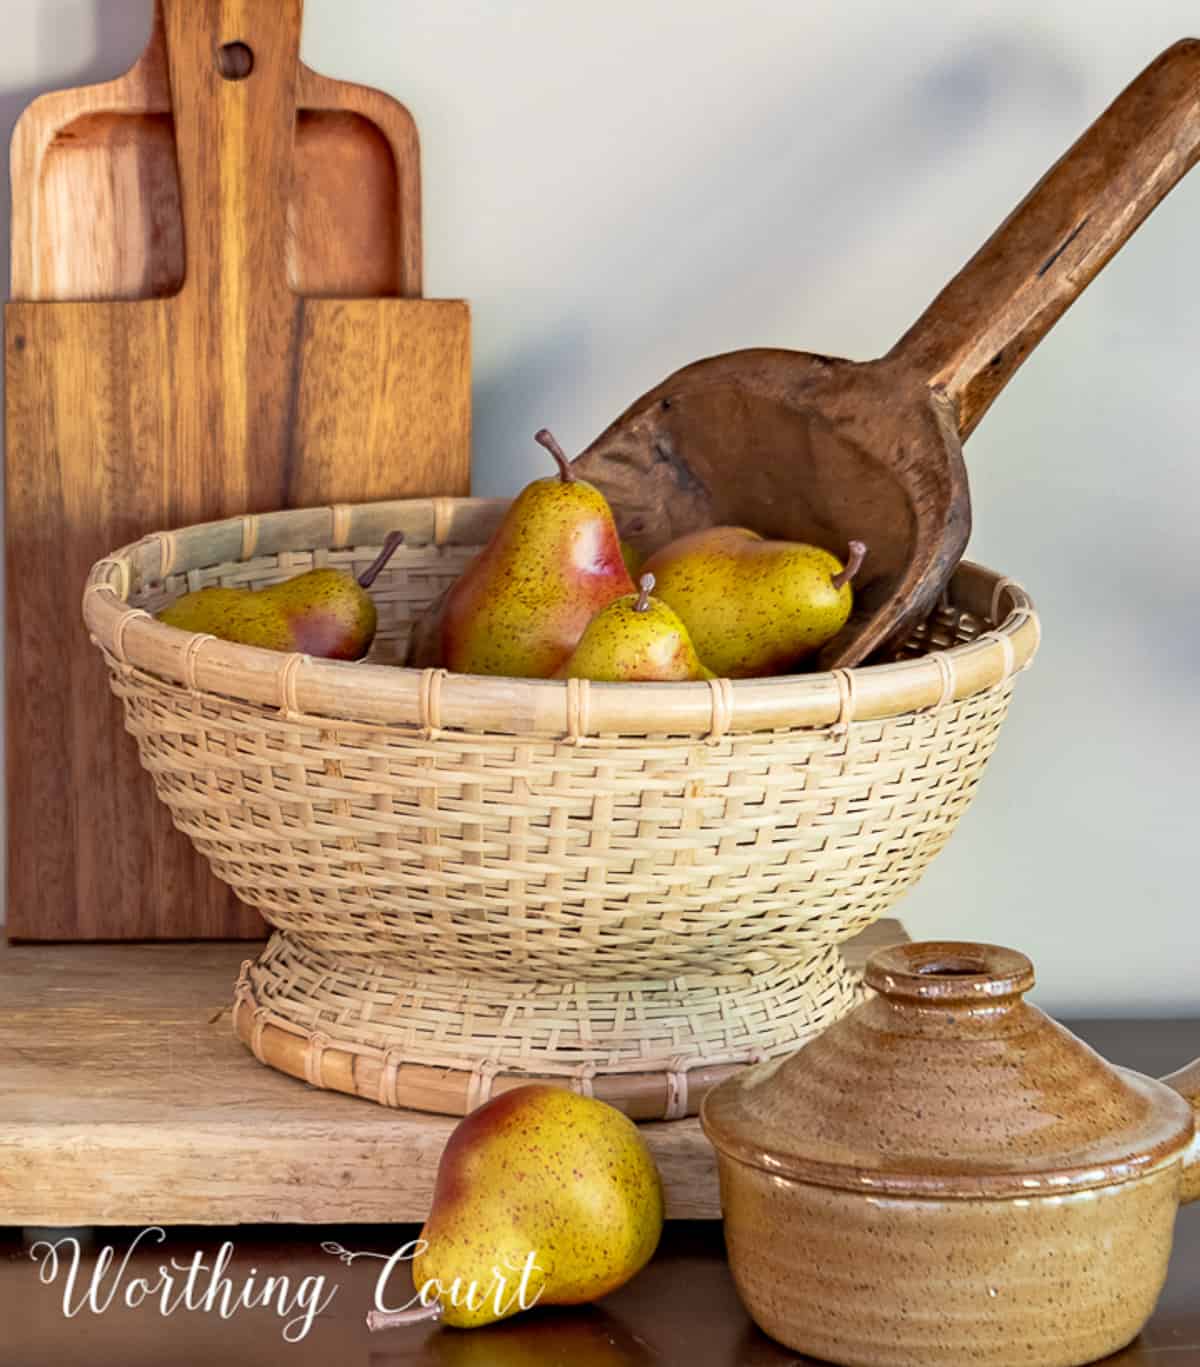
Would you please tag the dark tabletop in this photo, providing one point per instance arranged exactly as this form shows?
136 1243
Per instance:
681 1309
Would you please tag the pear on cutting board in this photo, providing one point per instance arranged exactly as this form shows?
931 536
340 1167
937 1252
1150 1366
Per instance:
543 1196
637 638
522 604
751 606
324 612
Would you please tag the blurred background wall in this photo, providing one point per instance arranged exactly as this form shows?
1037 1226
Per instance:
622 187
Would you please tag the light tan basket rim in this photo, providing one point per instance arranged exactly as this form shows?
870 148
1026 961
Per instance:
430 701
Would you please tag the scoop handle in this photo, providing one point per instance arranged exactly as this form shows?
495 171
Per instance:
974 336
1187 1083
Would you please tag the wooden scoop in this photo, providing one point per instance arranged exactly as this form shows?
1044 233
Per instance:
824 450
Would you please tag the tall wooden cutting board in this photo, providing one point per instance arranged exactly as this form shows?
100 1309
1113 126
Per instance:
185 344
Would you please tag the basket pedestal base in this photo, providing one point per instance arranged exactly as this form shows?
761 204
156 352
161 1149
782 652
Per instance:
652 1048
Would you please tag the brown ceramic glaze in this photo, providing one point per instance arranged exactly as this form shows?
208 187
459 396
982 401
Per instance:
948 1176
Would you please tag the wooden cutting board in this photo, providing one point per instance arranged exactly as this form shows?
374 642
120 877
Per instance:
217 279
128 1101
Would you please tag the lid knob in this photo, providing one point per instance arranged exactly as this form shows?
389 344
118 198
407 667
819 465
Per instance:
950 972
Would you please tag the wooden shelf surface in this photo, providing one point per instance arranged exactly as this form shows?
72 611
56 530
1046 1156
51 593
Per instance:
126 1100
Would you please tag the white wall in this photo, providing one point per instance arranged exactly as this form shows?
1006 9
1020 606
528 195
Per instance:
621 187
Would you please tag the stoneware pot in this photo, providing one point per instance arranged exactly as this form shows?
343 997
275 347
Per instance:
948 1176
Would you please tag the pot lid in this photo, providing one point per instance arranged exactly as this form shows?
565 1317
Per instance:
948 1084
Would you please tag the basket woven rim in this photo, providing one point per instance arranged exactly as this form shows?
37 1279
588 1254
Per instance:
434 700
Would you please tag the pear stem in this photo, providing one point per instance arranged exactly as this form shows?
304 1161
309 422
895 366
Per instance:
858 553
401 1319
390 547
646 584
546 438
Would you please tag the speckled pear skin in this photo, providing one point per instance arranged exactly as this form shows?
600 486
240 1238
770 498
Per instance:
625 645
752 607
545 1170
522 604
324 613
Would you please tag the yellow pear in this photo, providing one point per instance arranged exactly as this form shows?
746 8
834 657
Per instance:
636 638
542 1196
751 606
522 604
324 612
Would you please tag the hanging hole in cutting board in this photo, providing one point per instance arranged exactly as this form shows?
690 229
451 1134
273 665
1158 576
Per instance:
235 61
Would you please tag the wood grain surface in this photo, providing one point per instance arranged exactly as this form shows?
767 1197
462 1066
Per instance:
169 361
96 205
683 1309
127 1099
813 448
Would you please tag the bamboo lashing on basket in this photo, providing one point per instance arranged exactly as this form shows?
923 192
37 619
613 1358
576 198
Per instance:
340 532
722 710
945 666
625 887
123 622
578 714
435 528
443 520
430 703
195 646
289 701
392 1060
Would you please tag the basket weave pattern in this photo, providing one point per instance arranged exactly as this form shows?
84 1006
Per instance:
530 875
528 859
623 1027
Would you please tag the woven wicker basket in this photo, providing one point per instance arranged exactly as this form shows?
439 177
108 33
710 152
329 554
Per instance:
631 889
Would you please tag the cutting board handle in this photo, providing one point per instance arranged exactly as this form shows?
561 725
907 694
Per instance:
233 67
976 333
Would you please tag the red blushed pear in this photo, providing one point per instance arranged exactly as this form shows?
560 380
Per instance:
755 607
324 612
543 1197
522 604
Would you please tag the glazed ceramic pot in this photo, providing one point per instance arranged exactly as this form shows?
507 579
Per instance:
947 1176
